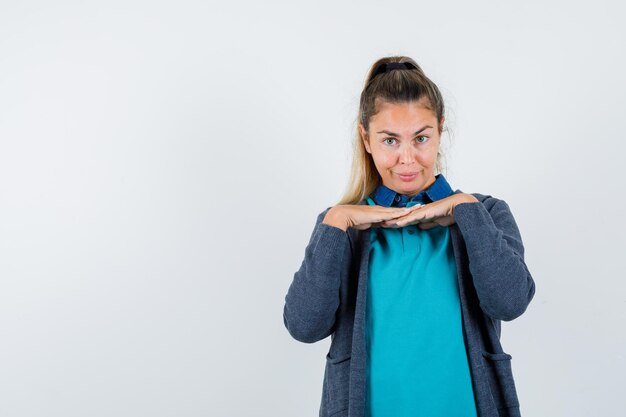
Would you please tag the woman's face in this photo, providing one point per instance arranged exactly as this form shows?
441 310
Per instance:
403 140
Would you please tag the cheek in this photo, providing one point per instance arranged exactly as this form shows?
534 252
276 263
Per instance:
430 156
388 160
382 158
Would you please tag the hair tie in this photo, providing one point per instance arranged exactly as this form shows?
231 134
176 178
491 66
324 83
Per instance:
390 66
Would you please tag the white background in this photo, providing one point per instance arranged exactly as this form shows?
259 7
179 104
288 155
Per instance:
162 165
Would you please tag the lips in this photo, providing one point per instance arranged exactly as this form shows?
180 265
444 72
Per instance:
410 176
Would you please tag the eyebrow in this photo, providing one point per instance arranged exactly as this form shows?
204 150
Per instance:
395 134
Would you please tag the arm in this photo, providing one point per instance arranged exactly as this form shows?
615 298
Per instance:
503 283
313 296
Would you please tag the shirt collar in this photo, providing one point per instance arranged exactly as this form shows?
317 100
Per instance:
384 196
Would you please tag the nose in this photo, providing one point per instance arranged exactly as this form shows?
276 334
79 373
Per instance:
406 155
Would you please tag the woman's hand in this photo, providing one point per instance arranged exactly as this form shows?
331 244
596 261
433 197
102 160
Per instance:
437 213
362 216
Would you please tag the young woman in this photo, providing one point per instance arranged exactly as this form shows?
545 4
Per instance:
411 278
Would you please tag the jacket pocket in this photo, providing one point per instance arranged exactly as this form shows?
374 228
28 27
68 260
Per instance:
497 369
337 381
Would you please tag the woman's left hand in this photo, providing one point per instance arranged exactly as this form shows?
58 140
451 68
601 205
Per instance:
437 213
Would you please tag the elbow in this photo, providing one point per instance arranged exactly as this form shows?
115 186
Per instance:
303 331
504 312
513 306
508 314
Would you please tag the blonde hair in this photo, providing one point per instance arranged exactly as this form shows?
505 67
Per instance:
394 87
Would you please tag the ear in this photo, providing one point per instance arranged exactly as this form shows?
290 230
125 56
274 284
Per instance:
364 138
443 119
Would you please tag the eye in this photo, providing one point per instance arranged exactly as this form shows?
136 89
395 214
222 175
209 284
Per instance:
426 138
388 139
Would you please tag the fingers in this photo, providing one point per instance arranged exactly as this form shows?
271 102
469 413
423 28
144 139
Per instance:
389 225
427 225
387 216
417 206
391 221
414 218
395 212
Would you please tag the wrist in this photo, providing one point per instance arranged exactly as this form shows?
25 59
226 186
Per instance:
467 198
334 218
463 198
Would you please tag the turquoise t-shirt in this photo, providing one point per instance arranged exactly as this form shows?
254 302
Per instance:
416 363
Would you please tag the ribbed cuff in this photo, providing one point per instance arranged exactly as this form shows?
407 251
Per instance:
331 242
471 215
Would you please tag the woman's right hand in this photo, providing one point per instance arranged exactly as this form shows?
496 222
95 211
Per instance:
362 216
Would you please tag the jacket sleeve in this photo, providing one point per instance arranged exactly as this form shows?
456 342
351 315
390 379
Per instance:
495 250
312 299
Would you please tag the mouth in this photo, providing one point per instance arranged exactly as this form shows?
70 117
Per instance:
408 176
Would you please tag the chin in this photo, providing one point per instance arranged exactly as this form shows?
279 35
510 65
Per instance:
408 187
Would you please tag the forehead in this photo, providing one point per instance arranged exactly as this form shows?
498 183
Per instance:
403 113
